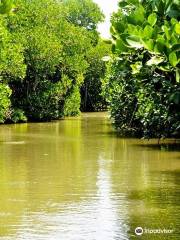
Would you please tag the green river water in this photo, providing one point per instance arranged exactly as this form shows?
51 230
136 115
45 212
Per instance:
75 179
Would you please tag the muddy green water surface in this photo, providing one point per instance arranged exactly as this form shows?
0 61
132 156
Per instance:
76 180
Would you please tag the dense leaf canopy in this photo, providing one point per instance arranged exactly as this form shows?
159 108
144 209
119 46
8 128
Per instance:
44 47
143 82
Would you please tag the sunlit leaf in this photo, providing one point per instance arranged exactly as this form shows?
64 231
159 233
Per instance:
148 31
134 42
149 44
177 75
136 67
177 28
120 46
155 60
152 19
106 58
173 59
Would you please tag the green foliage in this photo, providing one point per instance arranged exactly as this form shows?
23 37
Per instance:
158 113
91 90
17 115
44 103
6 6
119 89
143 27
5 102
83 13
143 84
72 103
11 63
11 57
45 44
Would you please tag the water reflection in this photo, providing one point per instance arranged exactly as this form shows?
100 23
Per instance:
73 180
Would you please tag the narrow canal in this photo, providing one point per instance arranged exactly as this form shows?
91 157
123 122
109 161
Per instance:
76 180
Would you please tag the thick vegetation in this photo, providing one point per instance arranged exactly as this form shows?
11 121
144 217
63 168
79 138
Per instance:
47 47
143 80
51 63
91 90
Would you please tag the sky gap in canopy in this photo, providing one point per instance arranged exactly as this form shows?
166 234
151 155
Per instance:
108 7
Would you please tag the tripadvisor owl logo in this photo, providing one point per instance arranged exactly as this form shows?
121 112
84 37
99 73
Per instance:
139 231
